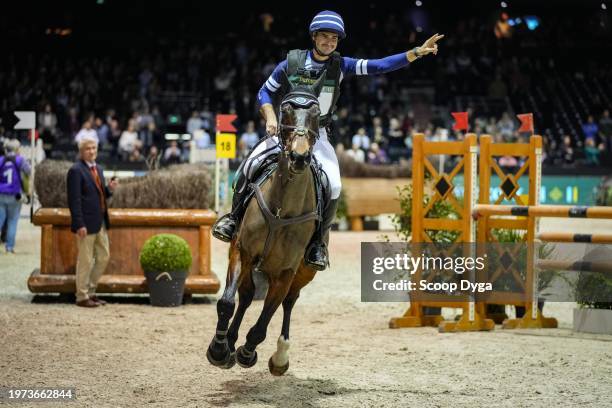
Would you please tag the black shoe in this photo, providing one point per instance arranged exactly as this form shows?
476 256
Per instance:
224 228
316 257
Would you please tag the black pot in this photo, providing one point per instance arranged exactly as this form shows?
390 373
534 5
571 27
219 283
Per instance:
166 288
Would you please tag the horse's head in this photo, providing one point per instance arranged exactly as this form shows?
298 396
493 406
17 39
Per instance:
299 124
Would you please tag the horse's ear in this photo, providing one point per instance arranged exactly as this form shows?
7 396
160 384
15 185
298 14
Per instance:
318 86
286 83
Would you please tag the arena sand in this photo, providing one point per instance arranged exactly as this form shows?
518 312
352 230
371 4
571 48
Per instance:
342 352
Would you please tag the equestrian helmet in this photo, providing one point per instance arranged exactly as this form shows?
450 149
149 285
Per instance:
328 21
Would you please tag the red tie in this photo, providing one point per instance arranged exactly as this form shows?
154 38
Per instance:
96 177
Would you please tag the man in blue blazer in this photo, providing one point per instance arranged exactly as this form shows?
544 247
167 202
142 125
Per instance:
87 200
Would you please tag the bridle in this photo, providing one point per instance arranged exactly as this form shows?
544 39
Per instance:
298 99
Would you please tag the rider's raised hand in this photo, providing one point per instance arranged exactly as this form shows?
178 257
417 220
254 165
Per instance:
430 45
271 127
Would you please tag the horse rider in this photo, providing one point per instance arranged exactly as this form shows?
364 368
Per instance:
303 67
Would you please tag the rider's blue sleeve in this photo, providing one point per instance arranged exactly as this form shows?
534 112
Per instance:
272 85
353 66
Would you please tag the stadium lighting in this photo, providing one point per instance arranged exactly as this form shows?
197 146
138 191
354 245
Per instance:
418 3
504 4
532 22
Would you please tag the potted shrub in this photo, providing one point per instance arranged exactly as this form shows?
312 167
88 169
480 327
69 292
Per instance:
593 316
604 192
593 290
165 260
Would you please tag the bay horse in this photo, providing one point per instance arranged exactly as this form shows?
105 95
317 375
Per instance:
275 231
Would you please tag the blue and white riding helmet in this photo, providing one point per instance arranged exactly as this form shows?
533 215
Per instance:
328 21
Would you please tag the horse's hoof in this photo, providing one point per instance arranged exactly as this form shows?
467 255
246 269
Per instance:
277 371
244 358
227 361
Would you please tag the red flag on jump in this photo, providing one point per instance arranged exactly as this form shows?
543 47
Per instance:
224 123
461 120
526 122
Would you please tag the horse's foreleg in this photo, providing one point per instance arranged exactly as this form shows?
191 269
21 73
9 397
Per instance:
246 291
219 353
279 362
277 291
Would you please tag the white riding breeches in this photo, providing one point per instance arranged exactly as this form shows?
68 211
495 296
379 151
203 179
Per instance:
323 151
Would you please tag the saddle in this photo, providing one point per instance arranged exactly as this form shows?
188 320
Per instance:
269 166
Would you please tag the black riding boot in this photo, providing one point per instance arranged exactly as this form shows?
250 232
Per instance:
226 226
316 254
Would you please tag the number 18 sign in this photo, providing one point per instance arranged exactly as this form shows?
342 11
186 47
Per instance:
226 145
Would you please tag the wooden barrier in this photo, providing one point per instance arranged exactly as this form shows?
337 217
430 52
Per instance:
473 317
551 211
371 196
492 215
130 229
571 237
530 154
525 215
580 266
489 152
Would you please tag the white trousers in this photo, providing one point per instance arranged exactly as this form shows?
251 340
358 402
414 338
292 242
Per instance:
323 151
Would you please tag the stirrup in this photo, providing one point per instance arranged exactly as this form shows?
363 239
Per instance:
222 231
315 265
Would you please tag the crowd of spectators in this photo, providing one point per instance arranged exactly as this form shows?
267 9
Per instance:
131 99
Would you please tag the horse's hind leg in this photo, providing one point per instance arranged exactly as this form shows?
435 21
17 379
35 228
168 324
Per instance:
279 362
277 291
246 291
219 353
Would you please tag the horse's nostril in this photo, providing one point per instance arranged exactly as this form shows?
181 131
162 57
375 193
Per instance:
300 159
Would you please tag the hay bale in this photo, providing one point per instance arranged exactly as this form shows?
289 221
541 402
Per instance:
187 186
50 183
350 168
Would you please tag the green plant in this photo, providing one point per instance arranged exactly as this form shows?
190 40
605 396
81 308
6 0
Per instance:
402 222
544 251
508 235
604 195
593 285
342 210
165 253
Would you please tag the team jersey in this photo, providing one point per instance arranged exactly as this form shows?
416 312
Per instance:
349 66
10 179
